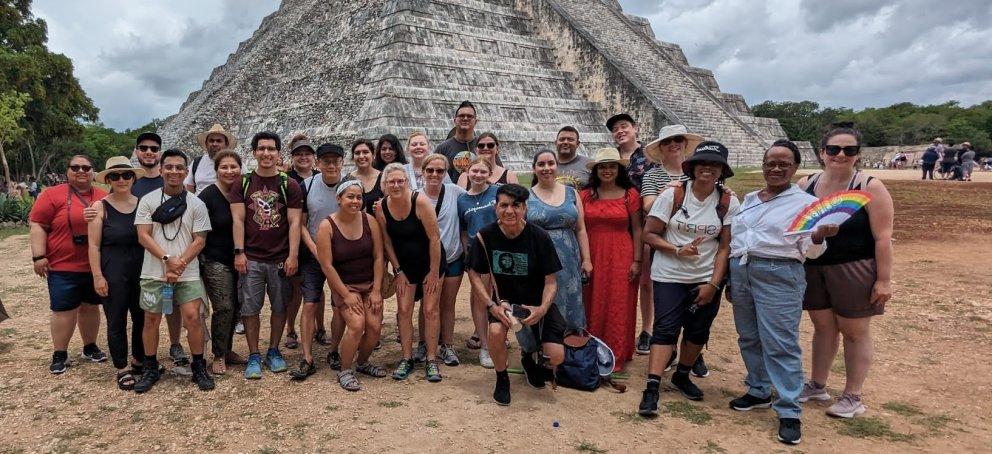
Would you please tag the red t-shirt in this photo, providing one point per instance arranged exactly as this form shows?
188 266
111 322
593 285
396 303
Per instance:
52 211
266 221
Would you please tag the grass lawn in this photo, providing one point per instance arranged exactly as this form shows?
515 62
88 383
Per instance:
11 231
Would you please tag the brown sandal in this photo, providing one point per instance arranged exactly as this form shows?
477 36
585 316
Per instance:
125 380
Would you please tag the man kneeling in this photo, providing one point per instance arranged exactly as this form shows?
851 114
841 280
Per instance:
520 259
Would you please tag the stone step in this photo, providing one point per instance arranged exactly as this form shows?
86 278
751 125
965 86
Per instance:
455 97
429 31
542 58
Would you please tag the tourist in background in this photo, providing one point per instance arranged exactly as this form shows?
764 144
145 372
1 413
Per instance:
461 145
949 156
487 147
419 147
411 233
767 281
967 161
202 172
476 209
59 251
387 151
689 229
572 167
301 167
362 156
852 281
612 209
115 261
930 158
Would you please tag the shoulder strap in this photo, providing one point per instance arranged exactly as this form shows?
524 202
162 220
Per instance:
283 184
196 165
485 251
245 181
440 200
678 200
724 206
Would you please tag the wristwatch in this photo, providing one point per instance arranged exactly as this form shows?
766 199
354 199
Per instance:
166 257
38 257
238 251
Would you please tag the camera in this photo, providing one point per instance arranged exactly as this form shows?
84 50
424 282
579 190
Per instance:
80 239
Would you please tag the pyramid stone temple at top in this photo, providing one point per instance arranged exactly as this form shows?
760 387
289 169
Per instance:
341 70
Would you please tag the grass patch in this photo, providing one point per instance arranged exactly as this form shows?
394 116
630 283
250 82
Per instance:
12 231
267 450
713 448
7 332
688 412
331 408
391 404
902 408
433 424
77 432
588 446
730 394
627 416
330 436
870 427
934 423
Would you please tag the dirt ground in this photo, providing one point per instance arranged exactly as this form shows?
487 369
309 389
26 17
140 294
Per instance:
928 389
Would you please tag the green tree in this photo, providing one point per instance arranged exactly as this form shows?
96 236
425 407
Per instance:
11 113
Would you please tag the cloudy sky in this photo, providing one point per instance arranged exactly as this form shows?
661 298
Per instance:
140 60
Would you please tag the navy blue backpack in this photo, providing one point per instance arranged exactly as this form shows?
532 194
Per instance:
588 363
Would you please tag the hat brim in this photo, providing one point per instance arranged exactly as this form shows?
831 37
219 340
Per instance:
687 165
653 149
102 176
201 139
592 164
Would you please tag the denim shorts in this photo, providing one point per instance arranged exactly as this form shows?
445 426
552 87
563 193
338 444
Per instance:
68 289
454 268
312 280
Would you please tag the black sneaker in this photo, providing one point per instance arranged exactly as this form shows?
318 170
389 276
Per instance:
681 382
305 370
671 361
790 431
643 343
94 354
532 371
202 379
334 360
502 392
649 403
148 379
178 355
699 369
60 362
748 402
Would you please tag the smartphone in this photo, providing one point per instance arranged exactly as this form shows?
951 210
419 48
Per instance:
519 311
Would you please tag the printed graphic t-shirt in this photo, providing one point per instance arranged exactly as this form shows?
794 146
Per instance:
266 216
519 264
574 173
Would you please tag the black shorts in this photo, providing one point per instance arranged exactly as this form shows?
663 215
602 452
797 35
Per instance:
311 280
550 330
671 315
68 289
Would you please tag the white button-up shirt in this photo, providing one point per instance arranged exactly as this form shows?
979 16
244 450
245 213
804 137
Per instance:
759 228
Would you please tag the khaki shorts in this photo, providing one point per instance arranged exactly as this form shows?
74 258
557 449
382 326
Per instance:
364 292
182 293
845 288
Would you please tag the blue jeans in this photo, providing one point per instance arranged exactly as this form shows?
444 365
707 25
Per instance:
767 295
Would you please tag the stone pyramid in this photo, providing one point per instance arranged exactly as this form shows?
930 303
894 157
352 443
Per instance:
339 70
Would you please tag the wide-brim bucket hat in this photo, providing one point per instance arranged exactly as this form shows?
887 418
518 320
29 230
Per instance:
709 151
118 164
653 149
201 138
605 155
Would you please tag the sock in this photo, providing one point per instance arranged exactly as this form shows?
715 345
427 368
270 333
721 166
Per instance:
152 360
198 358
61 354
90 347
683 369
654 382
502 375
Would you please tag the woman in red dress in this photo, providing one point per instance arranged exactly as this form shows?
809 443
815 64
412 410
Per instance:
613 222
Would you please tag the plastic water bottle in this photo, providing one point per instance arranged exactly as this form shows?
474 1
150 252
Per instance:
167 293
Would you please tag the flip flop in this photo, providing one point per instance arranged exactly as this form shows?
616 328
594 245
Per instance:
218 367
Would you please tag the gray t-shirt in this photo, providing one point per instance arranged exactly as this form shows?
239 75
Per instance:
319 202
574 173
174 237
451 147
968 157
448 222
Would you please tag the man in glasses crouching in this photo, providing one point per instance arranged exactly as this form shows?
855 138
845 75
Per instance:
520 261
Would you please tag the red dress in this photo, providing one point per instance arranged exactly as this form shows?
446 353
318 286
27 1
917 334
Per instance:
610 298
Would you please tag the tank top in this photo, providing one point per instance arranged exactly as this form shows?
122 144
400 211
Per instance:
410 242
373 195
353 259
120 251
854 240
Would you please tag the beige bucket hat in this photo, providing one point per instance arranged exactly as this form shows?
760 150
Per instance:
118 164
201 138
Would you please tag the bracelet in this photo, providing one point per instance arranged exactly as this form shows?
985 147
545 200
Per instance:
637 260
714 285
38 257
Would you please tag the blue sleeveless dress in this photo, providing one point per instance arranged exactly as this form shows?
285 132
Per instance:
559 222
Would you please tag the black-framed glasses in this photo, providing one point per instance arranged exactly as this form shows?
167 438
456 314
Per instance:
80 168
127 176
777 165
487 145
432 170
850 150
676 139
152 148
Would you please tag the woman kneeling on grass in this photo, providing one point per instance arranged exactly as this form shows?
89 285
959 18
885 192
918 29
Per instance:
349 244
767 284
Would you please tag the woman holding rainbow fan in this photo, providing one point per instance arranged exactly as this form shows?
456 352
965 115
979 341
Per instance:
767 283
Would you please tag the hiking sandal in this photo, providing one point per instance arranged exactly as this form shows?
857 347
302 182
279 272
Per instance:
125 380
347 380
371 370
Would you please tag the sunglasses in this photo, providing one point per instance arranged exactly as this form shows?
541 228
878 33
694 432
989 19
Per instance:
80 168
850 150
488 145
152 148
676 139
433 171
127 176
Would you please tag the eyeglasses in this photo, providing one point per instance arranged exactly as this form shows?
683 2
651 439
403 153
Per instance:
174 167
777 165
850 150
152 148
80 168
466 117
487 145
676 139
434 170
267 149
331 162
127 176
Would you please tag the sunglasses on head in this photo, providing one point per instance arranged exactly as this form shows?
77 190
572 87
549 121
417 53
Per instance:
127 176
488 145
850 150
80 168
152 148
676 139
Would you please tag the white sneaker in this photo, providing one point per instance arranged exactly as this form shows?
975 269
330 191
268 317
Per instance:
848 406
484 359
239 328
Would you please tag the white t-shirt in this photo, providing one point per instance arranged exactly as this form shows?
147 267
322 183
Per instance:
448 222
196 219
205 173
695 218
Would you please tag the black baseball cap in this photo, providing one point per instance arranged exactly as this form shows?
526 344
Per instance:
618 118
329 148
148 136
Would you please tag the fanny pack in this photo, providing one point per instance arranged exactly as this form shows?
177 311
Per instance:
170 210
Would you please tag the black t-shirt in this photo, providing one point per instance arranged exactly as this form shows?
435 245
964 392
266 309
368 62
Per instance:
145 185
220 240
299 179
520 263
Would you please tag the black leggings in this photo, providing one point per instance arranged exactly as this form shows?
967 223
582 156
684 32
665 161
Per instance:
928 170
671 315
123 297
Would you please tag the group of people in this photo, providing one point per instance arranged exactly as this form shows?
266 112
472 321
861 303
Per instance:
951 163
572 253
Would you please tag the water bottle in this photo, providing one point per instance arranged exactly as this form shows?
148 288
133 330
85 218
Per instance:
167 292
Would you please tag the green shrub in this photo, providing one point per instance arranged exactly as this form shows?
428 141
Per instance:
15 209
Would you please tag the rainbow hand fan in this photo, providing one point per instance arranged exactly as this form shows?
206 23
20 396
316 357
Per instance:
830 210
